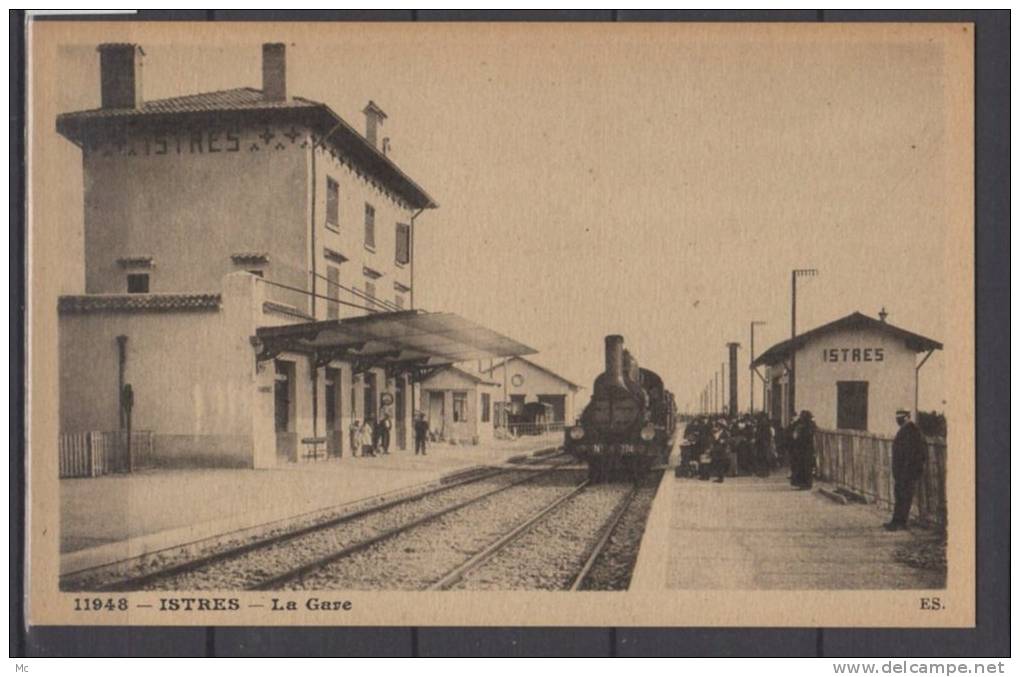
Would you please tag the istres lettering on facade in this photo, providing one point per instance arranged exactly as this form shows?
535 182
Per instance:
853 355
212 140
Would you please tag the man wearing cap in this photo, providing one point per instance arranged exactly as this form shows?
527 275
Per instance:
909 453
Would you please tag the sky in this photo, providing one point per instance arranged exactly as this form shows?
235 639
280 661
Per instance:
652 181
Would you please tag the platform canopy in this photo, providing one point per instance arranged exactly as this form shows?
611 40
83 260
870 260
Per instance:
404 340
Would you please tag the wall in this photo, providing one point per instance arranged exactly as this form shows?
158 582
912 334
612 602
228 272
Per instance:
348 236
165 195
191 372
890 382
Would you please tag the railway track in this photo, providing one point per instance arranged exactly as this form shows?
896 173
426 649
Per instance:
555 549
479 533
225 568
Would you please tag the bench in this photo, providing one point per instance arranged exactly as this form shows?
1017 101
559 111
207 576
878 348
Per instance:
311 445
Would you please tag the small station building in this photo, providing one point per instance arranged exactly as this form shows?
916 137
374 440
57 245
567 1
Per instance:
459 405
852 373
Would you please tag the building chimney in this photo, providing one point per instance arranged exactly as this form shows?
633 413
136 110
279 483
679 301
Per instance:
386 145
120 75
274 71
733 376
374 117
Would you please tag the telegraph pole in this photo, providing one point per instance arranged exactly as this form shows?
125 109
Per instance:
722 388
751 363
794 274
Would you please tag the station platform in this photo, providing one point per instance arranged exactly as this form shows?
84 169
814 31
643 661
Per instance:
752 533
115 517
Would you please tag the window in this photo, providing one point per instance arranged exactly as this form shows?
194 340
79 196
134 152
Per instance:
403 243
369 226
333 292
138 283
486 405
398 301
459 407
332 202
370 289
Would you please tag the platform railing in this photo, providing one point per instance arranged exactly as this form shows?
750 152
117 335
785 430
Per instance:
862 462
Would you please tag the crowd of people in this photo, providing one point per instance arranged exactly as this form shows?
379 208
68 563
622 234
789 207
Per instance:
372 437
718 445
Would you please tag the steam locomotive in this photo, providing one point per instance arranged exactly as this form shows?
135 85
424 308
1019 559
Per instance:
629 424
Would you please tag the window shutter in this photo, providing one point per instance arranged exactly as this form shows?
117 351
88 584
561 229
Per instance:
403 243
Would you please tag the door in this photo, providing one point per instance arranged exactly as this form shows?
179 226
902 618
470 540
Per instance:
283 409
437 410
558 404
852 405
370 401
334 444
401 412
776 402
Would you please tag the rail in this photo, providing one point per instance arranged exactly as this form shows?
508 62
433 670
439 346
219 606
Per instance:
600 545
279 580
862 463
136 582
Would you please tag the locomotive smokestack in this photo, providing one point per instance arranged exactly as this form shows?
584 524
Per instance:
614 358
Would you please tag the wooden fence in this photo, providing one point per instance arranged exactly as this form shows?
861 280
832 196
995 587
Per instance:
862 463
93 454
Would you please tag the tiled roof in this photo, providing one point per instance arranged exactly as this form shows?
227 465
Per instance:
545 370
856 320
137 303
248 100
241 98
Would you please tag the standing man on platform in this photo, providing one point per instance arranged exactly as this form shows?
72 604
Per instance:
421 434
383 429
802 449
909 453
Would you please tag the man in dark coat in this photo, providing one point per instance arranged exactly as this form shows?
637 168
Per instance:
421 434
720 451
909 453
802 450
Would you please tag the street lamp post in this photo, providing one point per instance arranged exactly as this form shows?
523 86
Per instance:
751 367
794 274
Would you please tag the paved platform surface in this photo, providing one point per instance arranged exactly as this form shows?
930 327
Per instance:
753 533
104 518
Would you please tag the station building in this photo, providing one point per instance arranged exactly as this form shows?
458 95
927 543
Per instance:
460 406
523 381
249 273
852 373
